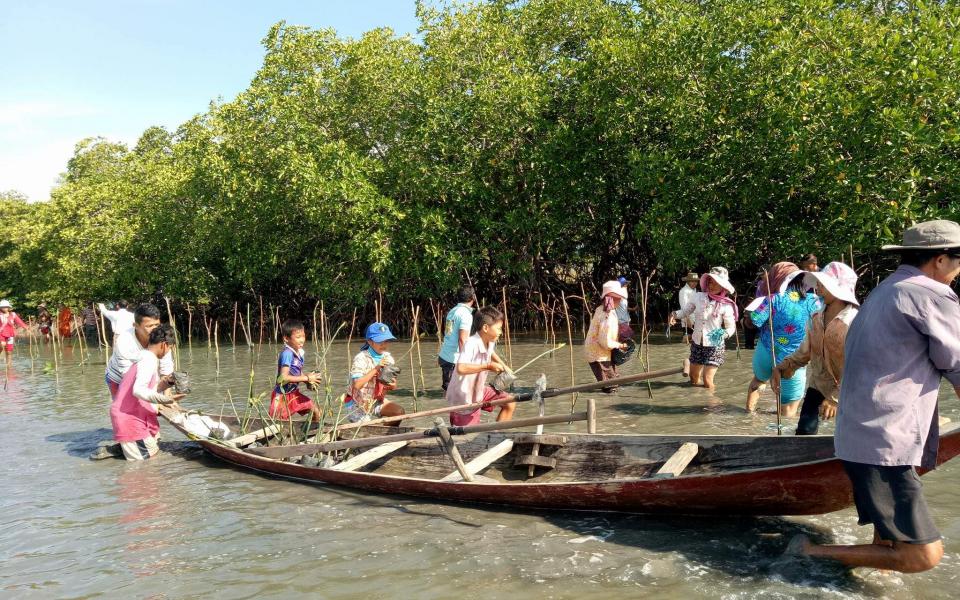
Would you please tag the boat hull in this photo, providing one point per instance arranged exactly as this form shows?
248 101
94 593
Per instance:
809 488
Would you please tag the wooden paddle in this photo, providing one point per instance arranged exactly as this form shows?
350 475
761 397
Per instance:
525 397
304 449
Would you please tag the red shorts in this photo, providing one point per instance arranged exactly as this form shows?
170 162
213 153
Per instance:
8 344
297 402
489 395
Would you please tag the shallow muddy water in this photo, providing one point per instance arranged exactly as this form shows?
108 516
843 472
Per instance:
185 525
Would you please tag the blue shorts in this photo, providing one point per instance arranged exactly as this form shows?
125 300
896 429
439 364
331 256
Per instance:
792 389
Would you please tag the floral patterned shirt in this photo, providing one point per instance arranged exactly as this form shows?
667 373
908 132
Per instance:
791 311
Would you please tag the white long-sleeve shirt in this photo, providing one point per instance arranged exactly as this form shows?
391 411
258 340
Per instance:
713 322
686 297
120 320
147 366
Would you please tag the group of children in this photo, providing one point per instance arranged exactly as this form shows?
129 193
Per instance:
468 354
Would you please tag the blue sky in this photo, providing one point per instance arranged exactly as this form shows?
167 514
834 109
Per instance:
73 69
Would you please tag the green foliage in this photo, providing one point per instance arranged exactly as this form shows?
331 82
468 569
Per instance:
533 143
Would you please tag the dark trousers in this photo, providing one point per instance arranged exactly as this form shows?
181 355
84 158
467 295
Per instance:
91 335
446 371
603 371
810 413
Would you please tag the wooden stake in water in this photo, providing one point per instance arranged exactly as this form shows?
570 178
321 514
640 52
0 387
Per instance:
573 377
250 323
176 336
413 373
353 323
206 326
506 326
233 336
416 331
216 344
103 330
316 338
586 311
773 343
190 330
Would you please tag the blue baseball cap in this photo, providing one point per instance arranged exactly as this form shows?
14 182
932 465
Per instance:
378 332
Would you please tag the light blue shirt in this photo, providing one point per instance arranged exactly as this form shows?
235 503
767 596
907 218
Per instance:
904 339
460 318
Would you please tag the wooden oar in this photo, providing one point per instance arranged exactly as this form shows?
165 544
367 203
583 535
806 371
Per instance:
525 397
304 449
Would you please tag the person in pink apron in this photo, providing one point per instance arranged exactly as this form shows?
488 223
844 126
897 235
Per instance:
135 405
9 321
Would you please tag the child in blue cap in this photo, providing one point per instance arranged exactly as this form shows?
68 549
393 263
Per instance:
372 375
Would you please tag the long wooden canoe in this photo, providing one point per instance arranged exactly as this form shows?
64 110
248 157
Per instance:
723 474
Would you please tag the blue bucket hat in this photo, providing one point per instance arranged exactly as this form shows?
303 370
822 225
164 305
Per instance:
378 332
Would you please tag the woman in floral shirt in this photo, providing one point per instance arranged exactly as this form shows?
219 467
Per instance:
792 307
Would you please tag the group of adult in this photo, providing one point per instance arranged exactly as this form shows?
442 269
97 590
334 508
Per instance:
876 368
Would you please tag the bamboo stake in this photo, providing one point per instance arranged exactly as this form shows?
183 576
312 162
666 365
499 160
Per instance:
276 323
573 377
216 344
250 324
316 338
353 323
206 325
586 311
81 339
416 329
176 336
413 373
773 343
30 341
190 330
506 326
233 336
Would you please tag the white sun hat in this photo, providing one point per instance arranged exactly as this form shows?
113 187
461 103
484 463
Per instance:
614 287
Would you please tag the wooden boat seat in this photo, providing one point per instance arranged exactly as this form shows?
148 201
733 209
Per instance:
482 461
678 461
533 459
364 458
544 439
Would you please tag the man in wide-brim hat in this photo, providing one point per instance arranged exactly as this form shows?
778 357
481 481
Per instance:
906 337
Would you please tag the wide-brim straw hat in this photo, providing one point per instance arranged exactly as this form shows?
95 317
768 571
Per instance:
720 275
691 276
838 279
614 287
929 235
5 304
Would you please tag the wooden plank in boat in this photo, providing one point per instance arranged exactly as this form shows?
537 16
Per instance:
678 462
544 439
484 460
365 458
253 436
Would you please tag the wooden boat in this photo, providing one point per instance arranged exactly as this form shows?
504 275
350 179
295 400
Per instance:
722 475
